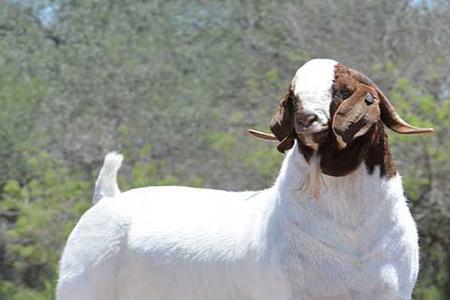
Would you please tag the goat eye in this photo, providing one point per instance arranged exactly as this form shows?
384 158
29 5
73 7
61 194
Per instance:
345 93
368 98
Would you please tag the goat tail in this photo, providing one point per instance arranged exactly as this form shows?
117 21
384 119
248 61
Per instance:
106 184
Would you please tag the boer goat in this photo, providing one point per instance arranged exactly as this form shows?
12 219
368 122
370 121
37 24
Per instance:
335 225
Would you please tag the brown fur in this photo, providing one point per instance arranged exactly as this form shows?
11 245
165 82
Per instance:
379 153
355 134
282 123
372 148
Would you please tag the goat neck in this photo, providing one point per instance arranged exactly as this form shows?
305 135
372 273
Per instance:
349 199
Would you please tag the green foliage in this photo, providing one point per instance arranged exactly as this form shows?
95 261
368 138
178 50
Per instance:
220 141
48 206
264 161
146 173
18 99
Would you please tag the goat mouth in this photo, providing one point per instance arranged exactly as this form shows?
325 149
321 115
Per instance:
314 129
313 137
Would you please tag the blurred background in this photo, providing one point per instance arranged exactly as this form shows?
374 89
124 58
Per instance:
173 85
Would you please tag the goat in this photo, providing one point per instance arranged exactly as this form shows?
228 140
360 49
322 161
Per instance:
335 224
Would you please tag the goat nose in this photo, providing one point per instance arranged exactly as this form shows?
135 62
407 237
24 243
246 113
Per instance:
305 119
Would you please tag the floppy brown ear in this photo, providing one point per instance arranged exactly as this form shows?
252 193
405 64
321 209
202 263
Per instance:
355 115
389 115
282 123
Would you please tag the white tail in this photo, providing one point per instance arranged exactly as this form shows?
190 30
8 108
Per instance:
106 184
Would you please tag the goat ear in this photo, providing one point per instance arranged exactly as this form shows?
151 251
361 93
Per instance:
389 115
355 115
282 123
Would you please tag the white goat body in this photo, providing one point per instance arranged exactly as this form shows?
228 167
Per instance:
345 235
358 241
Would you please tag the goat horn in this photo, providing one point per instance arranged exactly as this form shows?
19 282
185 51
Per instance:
393 120
262 135
389 115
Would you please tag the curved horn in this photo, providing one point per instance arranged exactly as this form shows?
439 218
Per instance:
389 115
262 135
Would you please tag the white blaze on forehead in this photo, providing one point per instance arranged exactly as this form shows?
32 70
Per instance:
312 86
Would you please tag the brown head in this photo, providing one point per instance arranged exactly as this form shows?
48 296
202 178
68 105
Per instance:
340 114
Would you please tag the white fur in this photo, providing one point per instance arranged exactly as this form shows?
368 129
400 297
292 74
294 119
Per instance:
312 86
358 241
106 184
